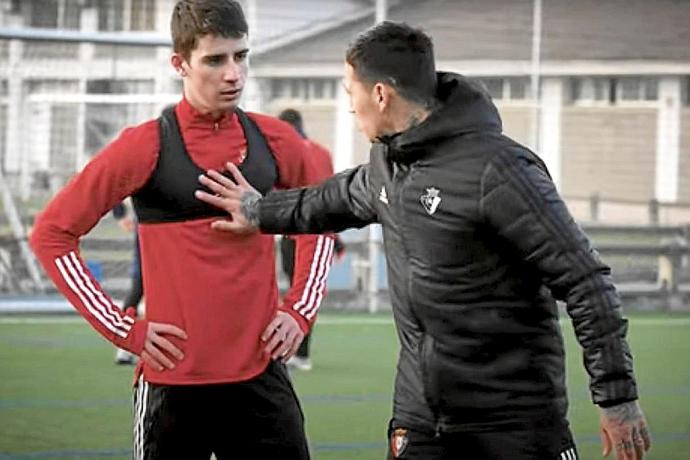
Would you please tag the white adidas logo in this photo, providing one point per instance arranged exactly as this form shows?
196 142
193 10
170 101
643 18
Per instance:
383 196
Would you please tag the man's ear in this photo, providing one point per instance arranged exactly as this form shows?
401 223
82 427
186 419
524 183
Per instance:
382 95
179 64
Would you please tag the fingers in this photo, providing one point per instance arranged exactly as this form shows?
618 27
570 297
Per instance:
220 185
237 175
149 361
234 226
297 341
283 336
625 450
155 344
642 440
164 328
166 345
646 437
158 357
271 328
214 200
629 444
605 442
223 180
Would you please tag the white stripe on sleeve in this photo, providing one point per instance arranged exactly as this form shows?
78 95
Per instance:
69 278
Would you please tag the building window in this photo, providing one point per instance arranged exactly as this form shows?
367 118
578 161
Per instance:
613 90
638 89
591 90
303 89
119 86
494 86
118 15
508 88
55 14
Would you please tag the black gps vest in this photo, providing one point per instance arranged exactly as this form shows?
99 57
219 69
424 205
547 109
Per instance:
168 196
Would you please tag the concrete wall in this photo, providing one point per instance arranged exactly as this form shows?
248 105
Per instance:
610 151
516 122
684 167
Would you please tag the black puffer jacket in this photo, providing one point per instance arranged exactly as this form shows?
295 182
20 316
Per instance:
478 244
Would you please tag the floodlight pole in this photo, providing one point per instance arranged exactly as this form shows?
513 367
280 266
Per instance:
374 239
381 10
535 74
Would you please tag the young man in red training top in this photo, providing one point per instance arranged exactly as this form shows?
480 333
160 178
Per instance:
211 378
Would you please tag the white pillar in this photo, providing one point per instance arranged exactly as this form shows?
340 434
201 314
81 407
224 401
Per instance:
550 126
343 153
14 148
535 84
381 10
251 96
668 139
89 23
162 19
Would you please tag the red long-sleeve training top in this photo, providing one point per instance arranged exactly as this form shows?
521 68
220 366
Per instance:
220 288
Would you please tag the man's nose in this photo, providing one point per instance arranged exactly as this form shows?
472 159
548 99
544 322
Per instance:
232 72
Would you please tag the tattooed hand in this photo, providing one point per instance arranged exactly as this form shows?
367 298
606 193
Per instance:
238 198
624 428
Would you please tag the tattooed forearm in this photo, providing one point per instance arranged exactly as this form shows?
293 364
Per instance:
249 205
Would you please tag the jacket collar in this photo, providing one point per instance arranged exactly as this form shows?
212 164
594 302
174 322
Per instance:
463 106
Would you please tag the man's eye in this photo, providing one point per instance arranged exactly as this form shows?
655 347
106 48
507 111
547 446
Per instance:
241 56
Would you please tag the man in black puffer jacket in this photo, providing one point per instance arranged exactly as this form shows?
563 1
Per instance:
479 246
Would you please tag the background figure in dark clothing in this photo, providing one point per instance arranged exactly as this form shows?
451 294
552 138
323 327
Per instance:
136 287
323 163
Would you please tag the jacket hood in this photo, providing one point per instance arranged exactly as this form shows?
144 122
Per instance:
463 106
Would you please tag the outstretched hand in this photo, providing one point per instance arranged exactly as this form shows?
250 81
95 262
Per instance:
231 197
624 430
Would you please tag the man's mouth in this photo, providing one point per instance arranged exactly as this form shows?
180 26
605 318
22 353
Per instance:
231 92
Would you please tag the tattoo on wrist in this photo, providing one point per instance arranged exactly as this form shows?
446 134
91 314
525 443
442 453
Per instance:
625 412
249 205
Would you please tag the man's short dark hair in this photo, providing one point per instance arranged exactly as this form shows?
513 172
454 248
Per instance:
192 19
293 117
398 55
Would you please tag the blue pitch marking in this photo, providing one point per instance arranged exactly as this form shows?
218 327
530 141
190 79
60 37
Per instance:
37 342
657 390
67 454
65 404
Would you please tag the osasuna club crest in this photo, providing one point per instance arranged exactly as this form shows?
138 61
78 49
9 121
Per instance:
430 200
398 442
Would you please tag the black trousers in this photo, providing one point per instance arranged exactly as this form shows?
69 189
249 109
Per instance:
532 440
287 257
259 418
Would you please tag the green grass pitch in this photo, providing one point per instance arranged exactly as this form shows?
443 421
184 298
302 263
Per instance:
61 397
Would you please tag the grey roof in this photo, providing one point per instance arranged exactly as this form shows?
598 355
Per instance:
276 18
502 30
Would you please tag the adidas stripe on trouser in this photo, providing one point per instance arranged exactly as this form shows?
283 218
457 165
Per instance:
258 418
